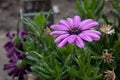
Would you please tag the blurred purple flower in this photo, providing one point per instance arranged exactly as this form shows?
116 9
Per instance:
22 35
10 46
75 31
10 36
17 67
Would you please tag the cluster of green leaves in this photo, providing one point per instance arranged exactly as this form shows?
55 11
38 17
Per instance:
51 63
90 8
93 9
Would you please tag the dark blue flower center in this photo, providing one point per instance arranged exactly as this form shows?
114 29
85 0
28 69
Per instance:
75 31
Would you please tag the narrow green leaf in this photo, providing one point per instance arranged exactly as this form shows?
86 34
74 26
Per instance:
116 6
80 7
94 5
90 14
39 20
87 4
100 8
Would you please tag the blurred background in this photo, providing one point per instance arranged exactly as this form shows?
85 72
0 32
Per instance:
9 16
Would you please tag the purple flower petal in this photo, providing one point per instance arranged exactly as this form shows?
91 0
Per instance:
85 22
16 72
10 73
79 42
70 22
60 38
10 36
21 75
8 46
64 23
22 35
10 52
77 21
86 37
15 57
90 25
8 66
58 32
59 27
72 39
94 36
93 31
63 43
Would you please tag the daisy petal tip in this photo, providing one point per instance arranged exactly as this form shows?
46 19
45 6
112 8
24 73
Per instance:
81 46
51 33
57 41
59 46
77 16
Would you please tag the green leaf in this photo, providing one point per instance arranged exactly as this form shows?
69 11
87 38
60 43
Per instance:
73 72
117 44
39 20
80 7
90 14
116 6
94 5
100 8
87 4
66 62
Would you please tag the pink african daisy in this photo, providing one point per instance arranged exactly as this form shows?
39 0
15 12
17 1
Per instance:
75 31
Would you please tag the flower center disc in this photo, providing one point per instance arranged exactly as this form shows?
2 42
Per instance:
20 64
74 31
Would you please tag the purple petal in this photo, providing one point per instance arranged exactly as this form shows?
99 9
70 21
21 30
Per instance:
90 25
64 23
16 56
94 36
16 72
58 32
63 43
10 52
72 39
79 42
85 22
70 22
86 37
59 27
10 36
11 72
8 46
21 74
9 66
21 56
60 38
77 21
92 31
22 34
